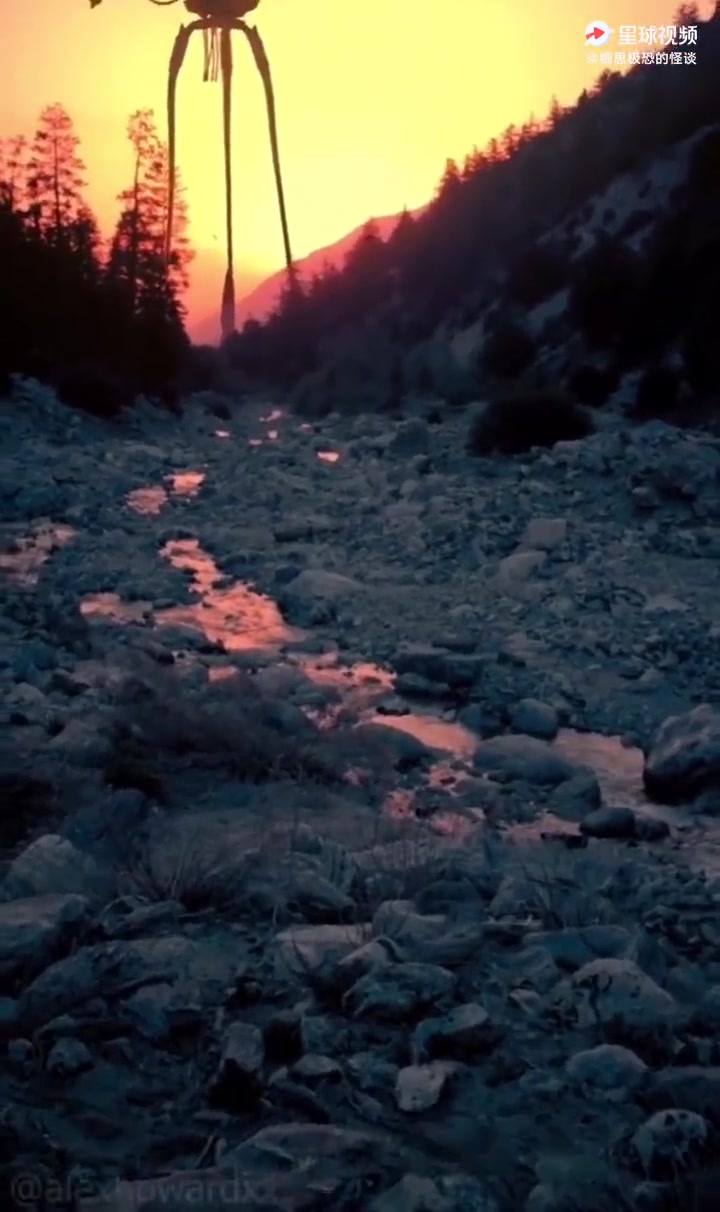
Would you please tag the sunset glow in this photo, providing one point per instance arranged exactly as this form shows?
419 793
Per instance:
371 100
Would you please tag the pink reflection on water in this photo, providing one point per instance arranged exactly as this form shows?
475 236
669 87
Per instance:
328 456
148 501
436 734
26 554
222 433
237 617
112 606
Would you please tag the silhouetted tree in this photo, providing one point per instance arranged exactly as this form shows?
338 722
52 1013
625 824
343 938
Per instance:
55 174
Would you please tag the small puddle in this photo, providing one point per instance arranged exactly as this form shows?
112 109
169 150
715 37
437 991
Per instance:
222 433
237 617
328 456
619 768
25 555
112 606
149 501
275 414
435 733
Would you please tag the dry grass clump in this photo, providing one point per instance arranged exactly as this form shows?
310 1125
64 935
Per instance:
226 726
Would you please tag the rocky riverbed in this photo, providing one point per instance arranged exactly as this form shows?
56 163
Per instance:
361 824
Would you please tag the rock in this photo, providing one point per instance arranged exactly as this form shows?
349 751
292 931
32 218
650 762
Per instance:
516 569
695 1087
314 596
314 1069
650 828
161 1011
526 759
51 864
237 1081
612 991
533 718
67 1058
377 953
286 1167
411 438
580 795
616 823
544 534
430 664
671 1142
394 747
304 950
399 921
465 1032
84 742
419 1087
684 757
35 929
412 1194
609 1070
398 992
574 946
117 968
707 1014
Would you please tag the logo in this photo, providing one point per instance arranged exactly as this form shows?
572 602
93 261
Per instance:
598 33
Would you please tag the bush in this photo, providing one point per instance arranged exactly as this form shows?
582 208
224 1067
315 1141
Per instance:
93 390
703 177
508 350
591 385
657 395
517 423
604 294
541 273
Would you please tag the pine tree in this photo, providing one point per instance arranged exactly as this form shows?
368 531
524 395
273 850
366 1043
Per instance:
13 171
137 259
55 174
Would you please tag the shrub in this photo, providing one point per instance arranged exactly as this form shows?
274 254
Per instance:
93 390
703 176
591 385
519 422
541 273
604 293
508 350
657 395
226 726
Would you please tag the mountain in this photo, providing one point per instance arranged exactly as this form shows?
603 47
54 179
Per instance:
536 266
259 303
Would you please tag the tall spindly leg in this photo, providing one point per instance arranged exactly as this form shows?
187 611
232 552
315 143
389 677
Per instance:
263 66
177 58
227 311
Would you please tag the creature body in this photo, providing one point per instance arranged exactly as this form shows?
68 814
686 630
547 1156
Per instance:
216 20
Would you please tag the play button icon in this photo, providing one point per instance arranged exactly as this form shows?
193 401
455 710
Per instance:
598 33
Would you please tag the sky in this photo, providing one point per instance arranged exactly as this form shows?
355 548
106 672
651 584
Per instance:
371 100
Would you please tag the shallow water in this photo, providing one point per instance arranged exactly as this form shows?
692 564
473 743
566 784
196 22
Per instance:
151 500
238 617
328 456
22 560
618 767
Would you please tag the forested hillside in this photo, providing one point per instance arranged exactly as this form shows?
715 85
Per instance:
520 222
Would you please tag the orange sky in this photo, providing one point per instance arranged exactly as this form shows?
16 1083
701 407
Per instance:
371 100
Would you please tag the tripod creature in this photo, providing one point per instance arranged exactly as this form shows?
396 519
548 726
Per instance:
216 19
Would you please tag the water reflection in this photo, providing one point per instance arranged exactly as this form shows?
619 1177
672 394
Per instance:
618 768
328 456
237 617
148 501
22 560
